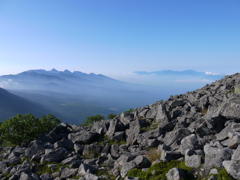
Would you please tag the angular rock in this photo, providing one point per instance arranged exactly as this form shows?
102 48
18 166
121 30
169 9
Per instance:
78 148
132 133
46 176
65 143
3 166
138 162
126 118
170 155
119 135
70 159
92 149
176 103
115 126
85 168
34 148
115 150
68 173
192 159
232 167
123 159
100 127
162 116
82 137
190 142
214 156
230 109
55 155
174 138
178 174
89 176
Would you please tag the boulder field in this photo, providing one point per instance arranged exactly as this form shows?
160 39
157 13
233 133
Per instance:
200 129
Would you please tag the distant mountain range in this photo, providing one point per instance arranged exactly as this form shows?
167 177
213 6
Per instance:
72 95
182 74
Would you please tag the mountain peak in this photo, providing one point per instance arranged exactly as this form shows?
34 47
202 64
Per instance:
54 71
67 71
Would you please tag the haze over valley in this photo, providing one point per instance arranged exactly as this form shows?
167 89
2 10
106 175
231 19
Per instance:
74 96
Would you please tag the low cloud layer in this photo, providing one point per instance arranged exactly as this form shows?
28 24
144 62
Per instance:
8 84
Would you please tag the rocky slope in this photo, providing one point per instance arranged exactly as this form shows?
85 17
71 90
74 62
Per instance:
200 128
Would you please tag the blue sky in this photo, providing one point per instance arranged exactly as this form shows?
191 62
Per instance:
115 37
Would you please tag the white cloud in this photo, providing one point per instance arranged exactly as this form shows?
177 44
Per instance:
212 73
4 84
194 80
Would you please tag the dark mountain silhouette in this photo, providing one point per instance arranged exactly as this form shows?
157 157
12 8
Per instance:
11 105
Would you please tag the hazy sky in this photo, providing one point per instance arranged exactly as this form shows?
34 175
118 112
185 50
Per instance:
113 37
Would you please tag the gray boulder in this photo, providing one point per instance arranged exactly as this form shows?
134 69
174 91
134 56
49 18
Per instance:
35 148
78 148
65 143
173 138
46 176
123 159
170 155
162 116
89 176
115 126
232 167
92 149
230 109
176 174
86 168
214 156
55 155
190 142
133 131
115 150
3 166
192 158
119 135
100 127
138 162
126 118
82 137
70 160
68 173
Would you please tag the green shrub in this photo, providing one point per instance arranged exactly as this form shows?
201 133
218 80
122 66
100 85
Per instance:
19 129
90 120
130 110
111 116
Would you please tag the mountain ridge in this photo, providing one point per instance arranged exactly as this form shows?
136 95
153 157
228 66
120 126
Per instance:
11 105
90 91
